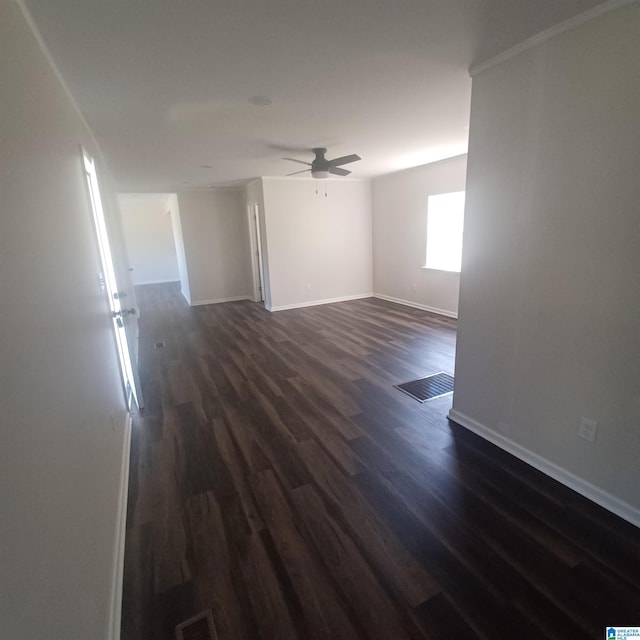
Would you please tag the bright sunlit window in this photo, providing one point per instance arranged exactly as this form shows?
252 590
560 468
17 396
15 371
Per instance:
445 219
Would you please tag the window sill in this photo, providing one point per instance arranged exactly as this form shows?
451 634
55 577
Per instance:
440 270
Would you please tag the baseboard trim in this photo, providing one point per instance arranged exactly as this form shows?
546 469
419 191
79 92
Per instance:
115 614
584 488
417 305
140 284
313 303
199 303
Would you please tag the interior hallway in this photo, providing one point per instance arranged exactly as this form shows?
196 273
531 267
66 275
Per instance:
278 478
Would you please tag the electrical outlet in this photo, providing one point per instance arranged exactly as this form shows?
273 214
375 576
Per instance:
587 429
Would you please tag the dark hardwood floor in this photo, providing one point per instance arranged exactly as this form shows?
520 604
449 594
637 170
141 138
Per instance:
279 479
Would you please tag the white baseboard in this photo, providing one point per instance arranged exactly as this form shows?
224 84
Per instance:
313 303
599 496
198 303
137 284
417 305
115 613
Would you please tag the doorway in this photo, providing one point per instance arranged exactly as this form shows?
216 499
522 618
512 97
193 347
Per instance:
256 250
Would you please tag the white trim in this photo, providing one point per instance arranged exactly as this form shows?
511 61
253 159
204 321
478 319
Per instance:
56 71
417 305
195 187
154 282
319 180
395 172
547 34
257 257
253 248
313 303
198 303
115 610
583 487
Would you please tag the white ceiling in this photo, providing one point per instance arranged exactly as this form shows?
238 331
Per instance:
165 84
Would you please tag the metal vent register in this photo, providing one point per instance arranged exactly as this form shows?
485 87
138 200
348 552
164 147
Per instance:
428 388
199 627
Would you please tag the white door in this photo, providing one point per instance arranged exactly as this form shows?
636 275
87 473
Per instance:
121 314
258 253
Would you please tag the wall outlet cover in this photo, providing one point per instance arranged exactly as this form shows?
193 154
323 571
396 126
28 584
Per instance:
587 429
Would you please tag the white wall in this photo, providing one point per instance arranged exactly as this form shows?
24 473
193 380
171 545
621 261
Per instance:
400 236
62 413
319 247
549 325
216 245
148 234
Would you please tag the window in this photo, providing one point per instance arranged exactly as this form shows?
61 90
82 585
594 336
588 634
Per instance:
445 219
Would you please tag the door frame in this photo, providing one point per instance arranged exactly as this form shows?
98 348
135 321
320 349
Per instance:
109 284
257 264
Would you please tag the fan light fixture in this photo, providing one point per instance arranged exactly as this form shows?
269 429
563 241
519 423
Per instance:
321 168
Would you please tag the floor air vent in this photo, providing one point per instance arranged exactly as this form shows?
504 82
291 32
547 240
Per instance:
428 388
199 627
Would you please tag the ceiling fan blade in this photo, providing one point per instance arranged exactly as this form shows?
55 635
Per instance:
295 173
299 161
345 160
338 171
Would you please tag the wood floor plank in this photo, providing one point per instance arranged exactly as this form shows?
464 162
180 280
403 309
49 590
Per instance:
324 432
331 413
325 380
342 559
278 478
245 437
269 602
443 473
215 583
324 615
537 565
488 616
380 545
552 509
231 459
138 584
446 529
279 446
443 620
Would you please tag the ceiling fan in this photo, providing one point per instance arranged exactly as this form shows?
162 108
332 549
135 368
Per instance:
322 168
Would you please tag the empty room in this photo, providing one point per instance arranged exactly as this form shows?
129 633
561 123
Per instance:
320 320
